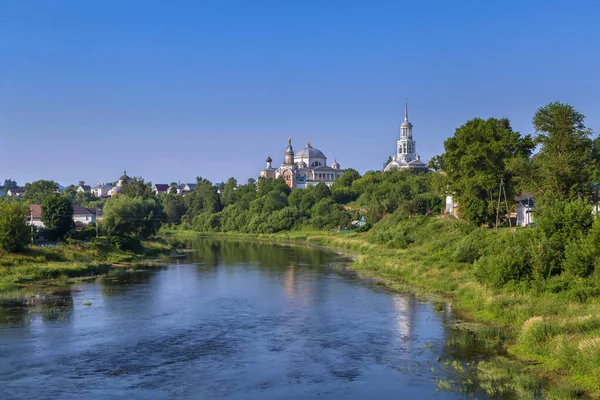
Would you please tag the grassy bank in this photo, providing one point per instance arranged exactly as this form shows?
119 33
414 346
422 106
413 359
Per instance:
554 324
61 263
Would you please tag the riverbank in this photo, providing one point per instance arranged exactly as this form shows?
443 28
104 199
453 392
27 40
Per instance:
62 263
555 334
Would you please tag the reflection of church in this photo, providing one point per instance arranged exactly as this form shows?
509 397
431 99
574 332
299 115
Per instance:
406 150
305 168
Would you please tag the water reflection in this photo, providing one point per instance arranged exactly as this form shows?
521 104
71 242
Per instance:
231 319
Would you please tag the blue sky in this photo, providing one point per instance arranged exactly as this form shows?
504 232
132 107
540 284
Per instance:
174 90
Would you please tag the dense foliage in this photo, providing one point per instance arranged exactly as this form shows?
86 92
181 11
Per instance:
57 216
14 232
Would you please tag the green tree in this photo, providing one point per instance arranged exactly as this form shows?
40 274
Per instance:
174 207
9 184
36 192
476 160
228 192
137 187
565 156
57 216
203 199
132 216
14 232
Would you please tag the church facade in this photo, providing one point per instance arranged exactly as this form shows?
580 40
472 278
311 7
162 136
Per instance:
305 168
406 148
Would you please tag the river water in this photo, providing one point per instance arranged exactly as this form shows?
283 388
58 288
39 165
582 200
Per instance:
235 320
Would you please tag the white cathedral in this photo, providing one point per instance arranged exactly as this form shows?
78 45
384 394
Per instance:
307 167
406 150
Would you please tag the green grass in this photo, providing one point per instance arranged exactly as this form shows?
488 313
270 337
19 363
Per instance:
63 263
556 334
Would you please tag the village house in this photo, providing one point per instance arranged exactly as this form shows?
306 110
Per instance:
525 208
82 216
160 188
185 187
83 189
35 215
101 190
16 192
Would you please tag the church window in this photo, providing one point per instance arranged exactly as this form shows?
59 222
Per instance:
404 147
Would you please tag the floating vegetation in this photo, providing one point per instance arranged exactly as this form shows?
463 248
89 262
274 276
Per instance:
87 303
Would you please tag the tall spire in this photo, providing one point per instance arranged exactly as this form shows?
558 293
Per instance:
406 108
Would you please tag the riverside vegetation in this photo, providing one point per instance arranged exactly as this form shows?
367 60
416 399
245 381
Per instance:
542 282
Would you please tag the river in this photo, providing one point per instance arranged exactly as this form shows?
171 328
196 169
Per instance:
235 320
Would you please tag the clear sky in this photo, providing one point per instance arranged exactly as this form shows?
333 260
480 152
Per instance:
171 90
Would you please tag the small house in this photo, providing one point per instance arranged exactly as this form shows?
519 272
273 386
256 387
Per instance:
525 207
160 188
16 192
84 189
35 215
83 215
101 190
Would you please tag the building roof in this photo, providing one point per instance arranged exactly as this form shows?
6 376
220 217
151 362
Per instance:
35 210
269 159
16 191
161 187
80 210
309 151
85 187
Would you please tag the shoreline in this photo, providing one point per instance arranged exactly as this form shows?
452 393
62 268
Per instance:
70 263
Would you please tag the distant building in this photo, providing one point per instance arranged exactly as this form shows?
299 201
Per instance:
35 215
16 192
101 190
82 216
160 188
306 168
525 208
83 189
406 149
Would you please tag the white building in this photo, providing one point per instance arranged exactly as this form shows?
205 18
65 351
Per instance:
306 168
81 215
406 148
101 190
525 207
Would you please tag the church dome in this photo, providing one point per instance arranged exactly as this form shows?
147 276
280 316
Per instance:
310 151
301 164
335 165
406 124
269 159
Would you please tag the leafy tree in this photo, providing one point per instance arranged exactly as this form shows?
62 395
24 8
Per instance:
137 187
70 192
321 191
565 156
36 192
9 184
85 198
204 198
14 232
174 207
57 216
228 192
132 216
436 164
476 160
